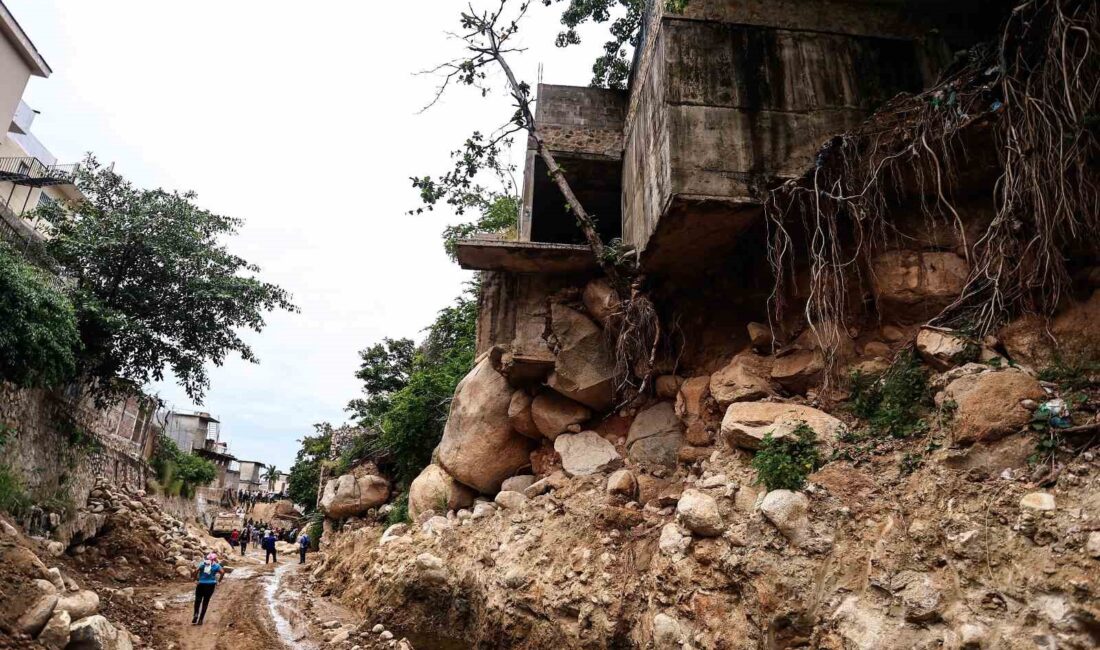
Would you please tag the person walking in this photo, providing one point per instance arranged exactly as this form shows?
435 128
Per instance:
234 537
208 574
269 548
243 541
303 546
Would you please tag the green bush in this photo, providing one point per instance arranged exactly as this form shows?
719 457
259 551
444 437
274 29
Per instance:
1073 373
14 499
892 403
784 463
39 337
400 512
179 473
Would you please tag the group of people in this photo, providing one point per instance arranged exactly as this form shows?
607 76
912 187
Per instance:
267 537
209 572
248 499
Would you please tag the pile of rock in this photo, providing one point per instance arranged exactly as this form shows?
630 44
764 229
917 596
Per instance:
50 607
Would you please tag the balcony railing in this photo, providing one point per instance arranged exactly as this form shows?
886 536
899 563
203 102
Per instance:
34 173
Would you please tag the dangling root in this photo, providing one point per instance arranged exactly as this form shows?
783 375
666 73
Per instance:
636 338
1040 90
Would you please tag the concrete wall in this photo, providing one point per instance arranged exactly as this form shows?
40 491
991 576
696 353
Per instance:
718 107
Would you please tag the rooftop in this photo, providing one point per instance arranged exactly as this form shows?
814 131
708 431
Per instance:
22 43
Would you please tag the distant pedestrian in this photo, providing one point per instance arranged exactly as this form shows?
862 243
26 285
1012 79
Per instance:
303 546
234 537
207 575
269 548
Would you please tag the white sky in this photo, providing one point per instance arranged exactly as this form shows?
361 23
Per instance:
300 118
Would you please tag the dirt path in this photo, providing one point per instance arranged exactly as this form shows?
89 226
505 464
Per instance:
252 609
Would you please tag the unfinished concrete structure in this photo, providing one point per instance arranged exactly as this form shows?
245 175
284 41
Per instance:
725 100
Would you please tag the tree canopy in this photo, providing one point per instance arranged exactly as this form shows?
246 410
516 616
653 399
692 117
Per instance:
305 474
154 286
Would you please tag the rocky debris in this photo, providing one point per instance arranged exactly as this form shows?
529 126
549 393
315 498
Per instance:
393 533
436 525
351 496
585 453
655 436
921 598
510 500
79 604
1092 546
37 615
789 512
97 633
431 569
747 423
697 411
621 483
554 414
799 370
698 512
668 386
520 417
1037 501
554 481
55 635
1073 333
479 447
434 488
584 369
745 378
913 286
760 336
988 405
674 540
600 300
667 633
517 483
943 350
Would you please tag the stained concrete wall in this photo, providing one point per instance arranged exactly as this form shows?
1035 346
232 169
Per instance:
717 107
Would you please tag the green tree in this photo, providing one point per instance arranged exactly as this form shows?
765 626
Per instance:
411 424
499 214
39 338
612 68
305 474
271 475
384 370
179 473
154 286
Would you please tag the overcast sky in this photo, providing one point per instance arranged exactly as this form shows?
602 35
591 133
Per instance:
302 119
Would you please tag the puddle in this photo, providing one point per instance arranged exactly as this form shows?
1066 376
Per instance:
280 605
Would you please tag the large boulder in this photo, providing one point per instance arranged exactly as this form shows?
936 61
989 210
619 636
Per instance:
913 286
697 410
987 405
1073 334
655 435
745 378
746 423
55 636
519 415
36 616
553 414
585 453
435 489
600 300
79 604
584 369
350 495
479 446
97 633
799 370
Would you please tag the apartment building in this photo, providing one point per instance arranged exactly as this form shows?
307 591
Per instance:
29 174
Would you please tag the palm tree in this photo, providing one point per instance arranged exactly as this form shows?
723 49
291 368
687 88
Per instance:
272 475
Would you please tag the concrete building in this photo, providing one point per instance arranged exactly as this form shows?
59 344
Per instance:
724 100
29 174
252 476
199 433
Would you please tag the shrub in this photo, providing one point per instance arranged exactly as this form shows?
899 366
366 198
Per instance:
1072 374
892 402
39 339
784 463
179 473
14 499
400 512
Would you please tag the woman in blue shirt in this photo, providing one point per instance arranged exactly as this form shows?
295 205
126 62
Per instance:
208 574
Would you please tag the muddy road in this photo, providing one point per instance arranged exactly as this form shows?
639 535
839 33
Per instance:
256 607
